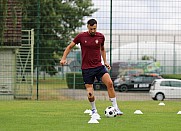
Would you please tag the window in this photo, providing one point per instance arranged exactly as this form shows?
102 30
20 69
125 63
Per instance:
165 83
175 84
148 79
137 79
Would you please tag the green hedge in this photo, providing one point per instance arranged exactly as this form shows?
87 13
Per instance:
79 83
172 76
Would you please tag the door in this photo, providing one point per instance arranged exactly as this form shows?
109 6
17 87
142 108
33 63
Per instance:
175 89
136 82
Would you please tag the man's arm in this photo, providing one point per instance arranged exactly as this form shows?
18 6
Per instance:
103 53
66 52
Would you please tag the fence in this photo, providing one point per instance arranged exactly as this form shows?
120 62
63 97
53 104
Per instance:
136 32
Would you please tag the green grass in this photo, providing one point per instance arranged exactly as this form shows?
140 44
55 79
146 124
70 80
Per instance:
69 116
51 83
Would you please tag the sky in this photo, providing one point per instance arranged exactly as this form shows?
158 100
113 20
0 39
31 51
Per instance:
139 14
153 20
142 17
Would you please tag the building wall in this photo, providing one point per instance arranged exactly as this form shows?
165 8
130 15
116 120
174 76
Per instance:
7 71
12 24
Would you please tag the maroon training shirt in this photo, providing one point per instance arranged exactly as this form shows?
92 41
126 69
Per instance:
91 47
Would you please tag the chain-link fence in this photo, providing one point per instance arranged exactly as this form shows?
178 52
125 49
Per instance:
142 37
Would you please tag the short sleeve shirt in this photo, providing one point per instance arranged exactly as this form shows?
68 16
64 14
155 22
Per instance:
91 49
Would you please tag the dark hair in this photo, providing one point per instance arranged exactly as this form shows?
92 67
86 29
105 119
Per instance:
91 22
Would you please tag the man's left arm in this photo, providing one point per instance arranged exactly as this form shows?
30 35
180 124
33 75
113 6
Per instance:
103 53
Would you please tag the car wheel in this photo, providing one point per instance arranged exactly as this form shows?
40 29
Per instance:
97 87
154 98
123 88
160 97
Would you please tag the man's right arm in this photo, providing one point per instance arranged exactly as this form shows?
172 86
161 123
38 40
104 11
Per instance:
66 52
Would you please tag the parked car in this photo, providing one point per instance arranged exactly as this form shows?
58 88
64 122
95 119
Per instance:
165 88
139 82
127 73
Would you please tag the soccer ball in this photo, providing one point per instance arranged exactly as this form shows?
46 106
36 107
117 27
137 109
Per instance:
110 111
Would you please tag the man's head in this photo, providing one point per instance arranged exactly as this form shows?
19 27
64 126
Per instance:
92 26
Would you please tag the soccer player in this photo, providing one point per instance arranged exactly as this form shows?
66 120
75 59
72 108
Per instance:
92 47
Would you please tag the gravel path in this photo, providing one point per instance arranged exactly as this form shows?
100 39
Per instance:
80 94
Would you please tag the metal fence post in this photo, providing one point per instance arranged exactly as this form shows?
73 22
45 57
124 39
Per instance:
37 45
110 35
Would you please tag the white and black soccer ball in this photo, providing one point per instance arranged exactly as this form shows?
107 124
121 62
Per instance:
110 111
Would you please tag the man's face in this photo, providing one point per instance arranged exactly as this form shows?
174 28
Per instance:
92 29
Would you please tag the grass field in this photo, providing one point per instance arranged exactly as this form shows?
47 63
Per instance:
48 88
51 83
69 116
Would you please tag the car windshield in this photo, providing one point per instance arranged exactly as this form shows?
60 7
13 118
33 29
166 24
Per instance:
153 83
131 72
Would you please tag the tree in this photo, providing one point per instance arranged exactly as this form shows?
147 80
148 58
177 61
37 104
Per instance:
145 57
59 20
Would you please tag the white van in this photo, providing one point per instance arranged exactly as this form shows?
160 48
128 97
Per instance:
165 88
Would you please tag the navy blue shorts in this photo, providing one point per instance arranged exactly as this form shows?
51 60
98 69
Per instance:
89 75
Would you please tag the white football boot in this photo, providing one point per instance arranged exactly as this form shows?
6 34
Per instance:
95 115
119 112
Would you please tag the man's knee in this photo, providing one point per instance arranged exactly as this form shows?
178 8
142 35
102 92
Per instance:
110 84
91 97
90 92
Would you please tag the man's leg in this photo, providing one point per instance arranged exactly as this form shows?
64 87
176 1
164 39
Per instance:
90 95
111 92
109 84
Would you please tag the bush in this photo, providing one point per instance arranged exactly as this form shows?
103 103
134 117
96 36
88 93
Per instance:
172 76
79 83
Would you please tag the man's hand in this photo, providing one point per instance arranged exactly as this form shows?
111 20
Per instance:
63 62
107 66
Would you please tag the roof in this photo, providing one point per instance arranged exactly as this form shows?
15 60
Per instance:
168 80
